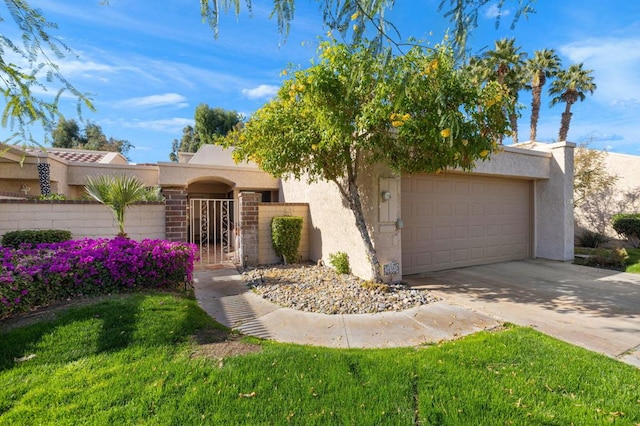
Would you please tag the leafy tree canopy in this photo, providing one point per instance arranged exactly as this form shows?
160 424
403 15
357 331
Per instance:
416 113
28 66
211 124
67 134
360 18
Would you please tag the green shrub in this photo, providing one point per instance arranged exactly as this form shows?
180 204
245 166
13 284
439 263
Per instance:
592 239
603 258
52 196
340 262
628 226
285 234
33 237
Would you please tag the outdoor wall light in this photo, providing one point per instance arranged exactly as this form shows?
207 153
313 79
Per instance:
386 195
399 224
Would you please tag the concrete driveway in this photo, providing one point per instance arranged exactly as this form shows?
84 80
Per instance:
593 308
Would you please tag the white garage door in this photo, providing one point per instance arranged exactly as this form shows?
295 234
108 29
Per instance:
457 220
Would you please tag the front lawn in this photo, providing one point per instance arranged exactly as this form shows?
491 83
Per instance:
159 359
633 263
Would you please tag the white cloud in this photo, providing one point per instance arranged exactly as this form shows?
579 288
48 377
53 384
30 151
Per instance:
615 63
262 91
494 11
172 99
168 125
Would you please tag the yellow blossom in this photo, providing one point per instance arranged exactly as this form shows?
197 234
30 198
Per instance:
406 117
355 16
484 153
397 123
355 27
445 133
465 142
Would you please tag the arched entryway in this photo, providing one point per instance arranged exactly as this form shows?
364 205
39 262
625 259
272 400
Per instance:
211 219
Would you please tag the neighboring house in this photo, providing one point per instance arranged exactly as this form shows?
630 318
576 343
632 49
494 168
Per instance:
595 214
517 205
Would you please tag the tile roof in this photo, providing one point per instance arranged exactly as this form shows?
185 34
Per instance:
74 155
79 156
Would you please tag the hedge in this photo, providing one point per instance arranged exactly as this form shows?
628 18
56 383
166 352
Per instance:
31 238
285 234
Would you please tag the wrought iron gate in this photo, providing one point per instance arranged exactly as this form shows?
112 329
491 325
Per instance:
211 224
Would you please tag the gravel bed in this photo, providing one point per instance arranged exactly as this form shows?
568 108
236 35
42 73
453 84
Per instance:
320 289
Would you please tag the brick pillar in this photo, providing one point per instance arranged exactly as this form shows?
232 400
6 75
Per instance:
249 227
176 214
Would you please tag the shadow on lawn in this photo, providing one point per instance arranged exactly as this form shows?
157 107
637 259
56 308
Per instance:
115 317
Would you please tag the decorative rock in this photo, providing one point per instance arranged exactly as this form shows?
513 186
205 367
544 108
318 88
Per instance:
320 289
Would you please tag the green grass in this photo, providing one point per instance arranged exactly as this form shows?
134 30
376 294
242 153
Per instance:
128 360
633 263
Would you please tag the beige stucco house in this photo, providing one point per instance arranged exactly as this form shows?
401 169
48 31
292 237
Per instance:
517 205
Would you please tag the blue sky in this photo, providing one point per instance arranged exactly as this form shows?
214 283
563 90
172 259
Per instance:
149 66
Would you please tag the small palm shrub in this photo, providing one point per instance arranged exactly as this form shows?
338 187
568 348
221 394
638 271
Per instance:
592 239
286 232
340 262
117 193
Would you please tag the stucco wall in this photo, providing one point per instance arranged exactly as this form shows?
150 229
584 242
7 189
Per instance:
83 219
624 198
626 167
266 212
333 226
171 174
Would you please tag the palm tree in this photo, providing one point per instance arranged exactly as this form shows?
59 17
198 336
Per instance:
505 64
544 64
116 192
571 86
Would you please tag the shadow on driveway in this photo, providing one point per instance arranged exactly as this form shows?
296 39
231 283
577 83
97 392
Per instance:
594 308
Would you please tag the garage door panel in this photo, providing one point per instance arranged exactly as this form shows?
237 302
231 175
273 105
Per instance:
456 221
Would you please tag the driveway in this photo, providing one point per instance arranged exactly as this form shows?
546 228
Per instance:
593 308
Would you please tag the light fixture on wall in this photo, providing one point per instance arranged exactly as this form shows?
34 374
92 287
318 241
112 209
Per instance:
386 195
399 224
25 189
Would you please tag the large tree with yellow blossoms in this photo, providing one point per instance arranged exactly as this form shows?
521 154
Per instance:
357 106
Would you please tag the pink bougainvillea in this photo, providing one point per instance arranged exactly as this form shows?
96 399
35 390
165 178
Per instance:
31 277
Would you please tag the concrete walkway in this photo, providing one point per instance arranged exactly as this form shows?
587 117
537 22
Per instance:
224 296
596 309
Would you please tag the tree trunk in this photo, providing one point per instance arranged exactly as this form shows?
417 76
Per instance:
352 196
564 123
513 119
536 95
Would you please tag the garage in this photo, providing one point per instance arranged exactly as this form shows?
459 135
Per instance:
455 220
